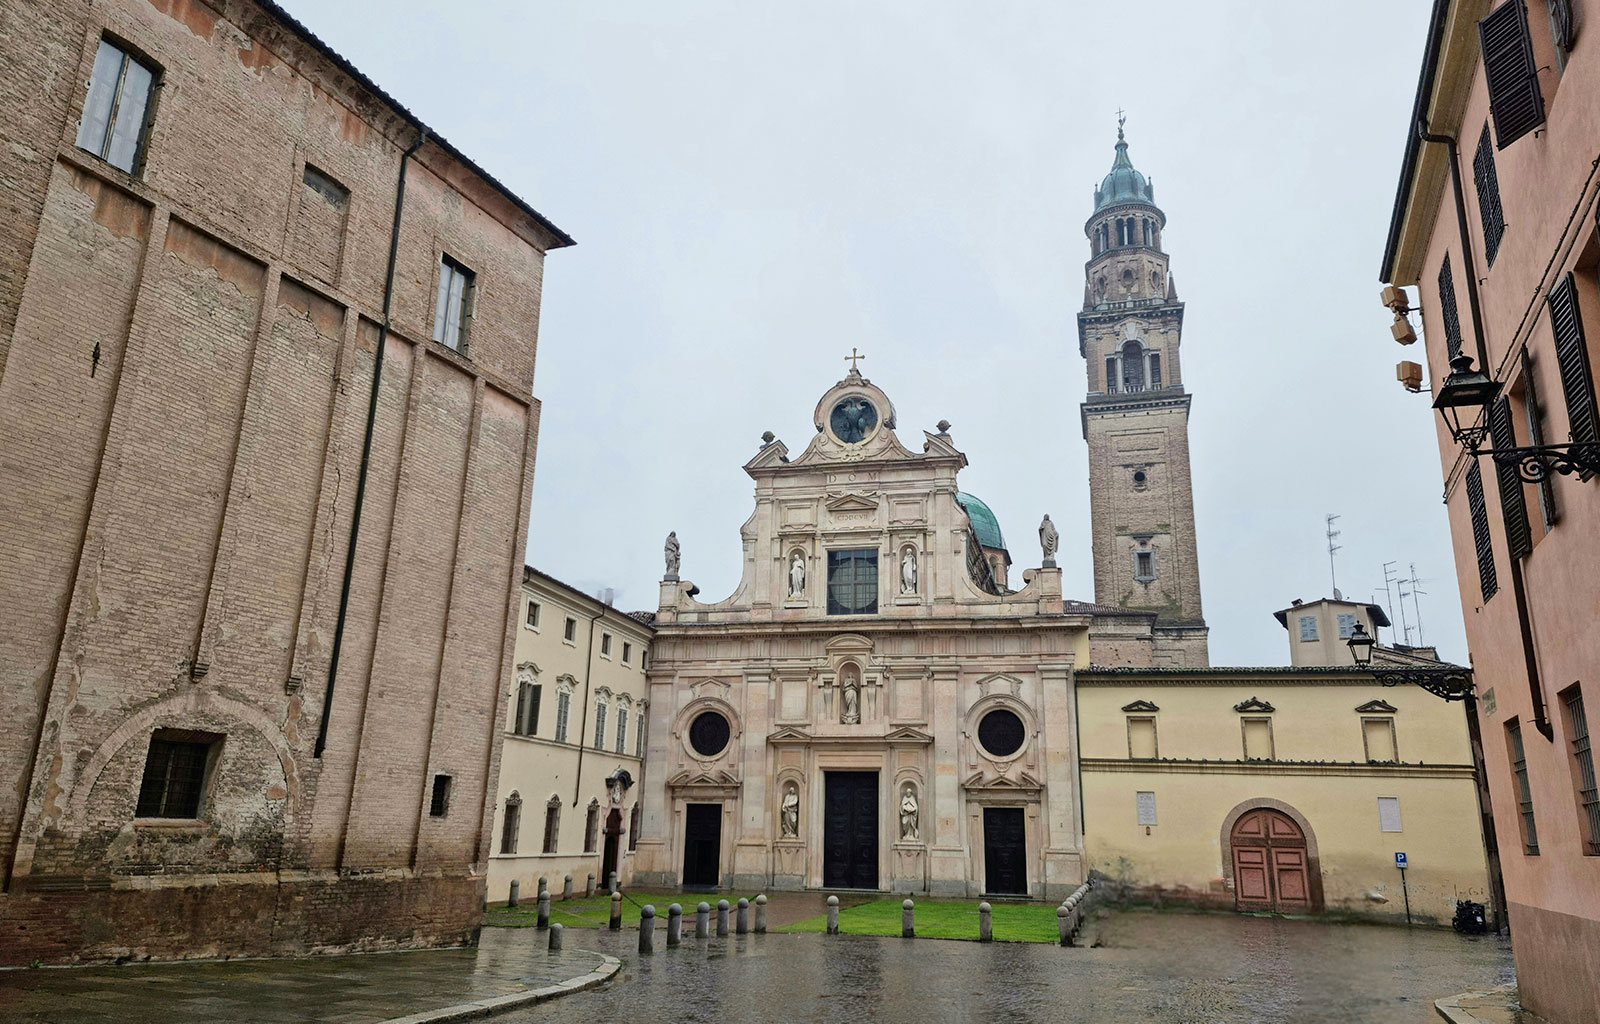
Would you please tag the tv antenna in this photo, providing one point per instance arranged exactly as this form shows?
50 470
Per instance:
1332 547
1416 589
1388 578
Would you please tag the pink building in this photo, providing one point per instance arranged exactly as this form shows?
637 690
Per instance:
1494 225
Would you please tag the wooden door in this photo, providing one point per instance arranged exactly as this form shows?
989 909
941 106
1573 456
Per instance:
613 835
1005 851
702 845
1271 870
850 831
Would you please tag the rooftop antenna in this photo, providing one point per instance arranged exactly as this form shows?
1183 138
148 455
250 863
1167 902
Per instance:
1415 590
1403 593
1388 578
1332 547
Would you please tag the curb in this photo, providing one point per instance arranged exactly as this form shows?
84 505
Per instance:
609 965
1485 1006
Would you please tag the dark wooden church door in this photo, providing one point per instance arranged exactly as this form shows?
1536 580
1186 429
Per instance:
702 845
850 831
1005 851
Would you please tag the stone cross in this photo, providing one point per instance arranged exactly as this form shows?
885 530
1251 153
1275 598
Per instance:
853 357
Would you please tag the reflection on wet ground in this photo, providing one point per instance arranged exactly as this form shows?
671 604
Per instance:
1154 967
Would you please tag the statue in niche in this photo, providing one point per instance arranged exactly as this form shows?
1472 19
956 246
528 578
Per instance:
1049 539
908 571
850 696
672 551
909 832
789 813
797 576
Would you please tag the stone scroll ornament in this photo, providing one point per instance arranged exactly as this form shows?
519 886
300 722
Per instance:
909 832
673 553
789 813
797 576
908 572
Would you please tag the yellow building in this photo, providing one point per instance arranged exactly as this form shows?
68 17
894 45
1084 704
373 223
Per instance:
572 751
1287 789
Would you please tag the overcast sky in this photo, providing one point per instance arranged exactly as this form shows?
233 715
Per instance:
757 187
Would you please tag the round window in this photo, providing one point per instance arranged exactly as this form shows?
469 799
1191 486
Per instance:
1001 732
1138 476
708 733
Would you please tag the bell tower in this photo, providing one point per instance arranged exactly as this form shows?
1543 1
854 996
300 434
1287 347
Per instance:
1136 417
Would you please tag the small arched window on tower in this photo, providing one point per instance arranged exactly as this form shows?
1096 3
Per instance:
1155 370
1132 367
1111 375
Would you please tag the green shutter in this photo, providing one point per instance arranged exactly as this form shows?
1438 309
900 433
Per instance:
1572 359
1519 539
1511 73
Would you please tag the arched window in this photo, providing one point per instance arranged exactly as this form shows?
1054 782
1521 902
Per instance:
552 823
511 823
633 827
1133 366
1155 370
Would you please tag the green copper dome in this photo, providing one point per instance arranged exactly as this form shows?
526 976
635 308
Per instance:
984 524
1123 184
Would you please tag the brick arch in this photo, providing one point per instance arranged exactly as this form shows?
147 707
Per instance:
143 721
1264 803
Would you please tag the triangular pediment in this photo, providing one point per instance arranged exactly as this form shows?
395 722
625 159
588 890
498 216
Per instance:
1253 704
1376 707
687 779
906 734
852 502
1023 783
789 734
1140 705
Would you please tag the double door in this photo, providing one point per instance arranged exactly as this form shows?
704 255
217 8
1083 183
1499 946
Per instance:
850 830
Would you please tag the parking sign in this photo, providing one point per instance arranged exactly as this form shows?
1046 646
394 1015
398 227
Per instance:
1399 859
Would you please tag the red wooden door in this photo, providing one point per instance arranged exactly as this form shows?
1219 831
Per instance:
1270 867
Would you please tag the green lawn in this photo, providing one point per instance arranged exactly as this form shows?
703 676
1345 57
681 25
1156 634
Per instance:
595 912
942 919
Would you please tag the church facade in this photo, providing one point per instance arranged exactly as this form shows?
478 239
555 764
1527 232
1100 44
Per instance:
876 707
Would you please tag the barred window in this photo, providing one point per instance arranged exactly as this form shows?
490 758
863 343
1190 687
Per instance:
1583 770
174 775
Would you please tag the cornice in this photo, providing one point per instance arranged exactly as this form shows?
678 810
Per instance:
1372 769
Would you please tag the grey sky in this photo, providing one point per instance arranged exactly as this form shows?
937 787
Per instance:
757 187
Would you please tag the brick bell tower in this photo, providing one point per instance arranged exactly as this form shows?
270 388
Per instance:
1136 418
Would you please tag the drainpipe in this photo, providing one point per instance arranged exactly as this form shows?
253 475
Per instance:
1530 658
583 729
366 446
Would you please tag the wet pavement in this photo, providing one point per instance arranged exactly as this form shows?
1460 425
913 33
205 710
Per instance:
361 989
1153 967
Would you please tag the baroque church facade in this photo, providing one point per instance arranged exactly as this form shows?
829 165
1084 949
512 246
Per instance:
877 707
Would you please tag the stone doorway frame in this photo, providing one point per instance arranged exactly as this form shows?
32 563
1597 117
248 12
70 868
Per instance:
1313 859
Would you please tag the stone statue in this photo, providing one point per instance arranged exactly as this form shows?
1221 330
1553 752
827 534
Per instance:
908 571
797 576
909 833
1048 540
673 555
852 702
789 815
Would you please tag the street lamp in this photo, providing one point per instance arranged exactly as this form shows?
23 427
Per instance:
1463 398
1361 645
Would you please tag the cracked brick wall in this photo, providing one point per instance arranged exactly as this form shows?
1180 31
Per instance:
186 361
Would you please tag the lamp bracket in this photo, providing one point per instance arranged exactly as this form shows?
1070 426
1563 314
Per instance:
1450 682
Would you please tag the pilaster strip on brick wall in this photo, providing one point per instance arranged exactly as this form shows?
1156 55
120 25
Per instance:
609 966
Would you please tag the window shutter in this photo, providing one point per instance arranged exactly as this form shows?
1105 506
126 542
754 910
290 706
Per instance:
1488 184
1512 75
1481 539
1447 310
1513 509
1572 359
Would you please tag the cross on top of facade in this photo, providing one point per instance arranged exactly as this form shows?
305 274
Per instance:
853 356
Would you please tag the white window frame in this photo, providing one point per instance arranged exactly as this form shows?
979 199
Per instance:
453 300
111 138
532 614
569 632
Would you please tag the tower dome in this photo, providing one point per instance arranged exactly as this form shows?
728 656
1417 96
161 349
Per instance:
1124 184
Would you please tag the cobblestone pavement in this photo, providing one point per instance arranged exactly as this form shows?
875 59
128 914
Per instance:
359 989
1153 967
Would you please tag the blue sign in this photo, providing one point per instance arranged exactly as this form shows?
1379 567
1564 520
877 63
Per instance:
1399 860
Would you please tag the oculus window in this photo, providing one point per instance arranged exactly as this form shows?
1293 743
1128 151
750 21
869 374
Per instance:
853 419
116 111
709 733
853 582
1001 732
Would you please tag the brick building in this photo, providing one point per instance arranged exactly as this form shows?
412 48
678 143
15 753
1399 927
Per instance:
1494 226
223 734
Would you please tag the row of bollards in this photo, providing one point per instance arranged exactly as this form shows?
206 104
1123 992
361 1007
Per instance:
702 921
1068 916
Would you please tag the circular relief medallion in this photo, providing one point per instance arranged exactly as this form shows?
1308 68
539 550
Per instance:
853 419
709 733
1001 733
